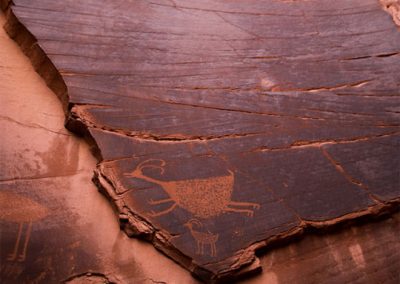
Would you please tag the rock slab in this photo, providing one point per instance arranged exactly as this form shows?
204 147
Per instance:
223 126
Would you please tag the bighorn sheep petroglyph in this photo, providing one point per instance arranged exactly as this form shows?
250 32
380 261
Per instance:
204 198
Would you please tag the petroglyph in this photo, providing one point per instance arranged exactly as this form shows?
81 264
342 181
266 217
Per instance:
205 89
24 211
202 238
204 198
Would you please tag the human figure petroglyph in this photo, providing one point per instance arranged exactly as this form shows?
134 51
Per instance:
202 237
24 211
204 198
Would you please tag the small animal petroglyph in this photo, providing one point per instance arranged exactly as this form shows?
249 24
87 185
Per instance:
24 211
204 198
202 238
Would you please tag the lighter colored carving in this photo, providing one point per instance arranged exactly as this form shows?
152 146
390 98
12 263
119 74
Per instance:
24 211
204 198
202 238
393 8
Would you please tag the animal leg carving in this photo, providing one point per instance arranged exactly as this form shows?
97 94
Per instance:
198 247
156 214
22 256
13 255
248 212
160 201
213 250
205 240
250 204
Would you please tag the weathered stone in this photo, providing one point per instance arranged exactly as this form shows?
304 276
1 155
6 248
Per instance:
221 127
47 199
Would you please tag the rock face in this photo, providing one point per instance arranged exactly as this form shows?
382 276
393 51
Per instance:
223 126
49 207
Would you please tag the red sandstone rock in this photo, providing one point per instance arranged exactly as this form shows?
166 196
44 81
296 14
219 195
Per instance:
222 127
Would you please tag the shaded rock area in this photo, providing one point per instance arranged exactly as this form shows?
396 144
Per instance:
224 127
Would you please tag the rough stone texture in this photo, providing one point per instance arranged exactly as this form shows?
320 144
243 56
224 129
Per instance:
45 181
360 254
312 143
